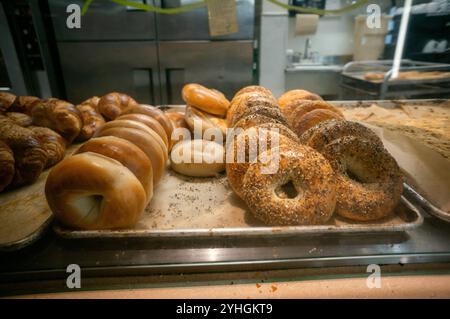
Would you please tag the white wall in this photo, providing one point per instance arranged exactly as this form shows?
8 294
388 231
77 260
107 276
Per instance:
273 45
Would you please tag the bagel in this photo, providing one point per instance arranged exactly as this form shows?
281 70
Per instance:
245 147
154 112
128 154
92 191
210 101
150 122
324 133
297 109
301 192
255 89
294 95
368 179
247 100
139 126
238 110
313 118
207 121
179 123
145 142
198 158
255 119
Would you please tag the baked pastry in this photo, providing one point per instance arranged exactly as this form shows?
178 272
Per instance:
249 103
112 104
145 142
244 149
207 100
302 191
29 155
260 90
92 120
150 122
92 191
24 104
296 109
128 154
295 95
20 119
198 158
53 144
368 180
154 112
6 165
256 119
180 127
313 118
6 100
58 115
326 132
207 124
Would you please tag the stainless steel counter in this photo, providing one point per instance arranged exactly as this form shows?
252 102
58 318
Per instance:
48 258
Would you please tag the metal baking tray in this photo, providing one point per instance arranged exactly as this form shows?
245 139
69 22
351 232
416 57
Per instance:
207 207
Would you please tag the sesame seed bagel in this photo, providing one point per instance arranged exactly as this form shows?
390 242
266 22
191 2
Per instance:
313 118
369 181
248 101
311 199
256 119
324 133
255 89
272 112
245 147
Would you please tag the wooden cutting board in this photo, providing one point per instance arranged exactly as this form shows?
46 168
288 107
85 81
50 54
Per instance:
24 213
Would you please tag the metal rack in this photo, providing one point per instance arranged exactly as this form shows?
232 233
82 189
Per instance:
355 86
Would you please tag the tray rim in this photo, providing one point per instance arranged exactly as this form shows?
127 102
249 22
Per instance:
244 231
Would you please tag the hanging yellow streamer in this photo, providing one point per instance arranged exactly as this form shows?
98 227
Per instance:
202 3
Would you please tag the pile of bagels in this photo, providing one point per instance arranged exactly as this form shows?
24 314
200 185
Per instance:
326 165
109 180
200 152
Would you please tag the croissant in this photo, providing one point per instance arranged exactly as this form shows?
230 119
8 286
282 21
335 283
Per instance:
21 119
60 116
53 144
29 155
24 104
6 165
6 100
91 118
112 104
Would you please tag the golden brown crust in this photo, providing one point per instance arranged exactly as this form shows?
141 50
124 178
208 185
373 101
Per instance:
295 110
29 155
112 104
145 142
6 165
154 112
91 119
24 104
128 154
247 100
58 115
255 89
294 95
6 101
245 147
53 144
20 119
207 100
150 122
324 133
254 120
313 118
92 191
369 181
314 199
207 121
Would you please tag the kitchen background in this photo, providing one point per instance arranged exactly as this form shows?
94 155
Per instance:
150 55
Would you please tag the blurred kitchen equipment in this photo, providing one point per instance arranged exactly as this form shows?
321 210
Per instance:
369 42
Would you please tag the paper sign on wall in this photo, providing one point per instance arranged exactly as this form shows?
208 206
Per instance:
222 16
